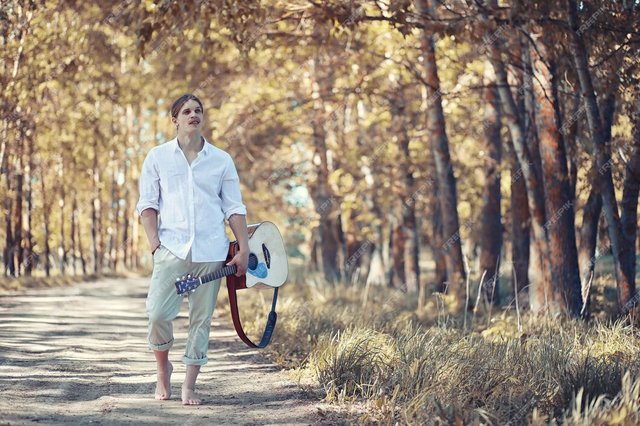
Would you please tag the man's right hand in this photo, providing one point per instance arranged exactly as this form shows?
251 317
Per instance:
149 219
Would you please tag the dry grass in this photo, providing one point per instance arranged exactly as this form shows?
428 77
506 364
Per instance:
433 368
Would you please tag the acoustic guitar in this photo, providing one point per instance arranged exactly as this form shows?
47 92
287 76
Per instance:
268 268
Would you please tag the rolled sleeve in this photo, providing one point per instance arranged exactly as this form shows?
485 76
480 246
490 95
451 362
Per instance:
149 185
230 192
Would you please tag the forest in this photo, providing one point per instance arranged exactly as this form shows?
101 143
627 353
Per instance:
481 153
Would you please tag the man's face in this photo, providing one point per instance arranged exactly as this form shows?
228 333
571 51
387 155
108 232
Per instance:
190 117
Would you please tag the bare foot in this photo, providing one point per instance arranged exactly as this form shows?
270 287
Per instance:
163 387
189 397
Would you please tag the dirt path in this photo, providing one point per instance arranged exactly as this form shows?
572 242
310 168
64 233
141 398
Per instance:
78 355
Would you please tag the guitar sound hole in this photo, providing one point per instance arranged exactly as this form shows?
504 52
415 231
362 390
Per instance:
253 261
267 256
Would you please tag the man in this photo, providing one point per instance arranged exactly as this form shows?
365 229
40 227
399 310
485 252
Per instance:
188 188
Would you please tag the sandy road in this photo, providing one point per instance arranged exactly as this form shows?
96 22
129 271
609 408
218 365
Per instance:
78 355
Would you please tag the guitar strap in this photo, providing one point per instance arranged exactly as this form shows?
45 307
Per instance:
238 283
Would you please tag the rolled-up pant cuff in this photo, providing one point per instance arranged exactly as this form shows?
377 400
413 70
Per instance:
162 347
193 361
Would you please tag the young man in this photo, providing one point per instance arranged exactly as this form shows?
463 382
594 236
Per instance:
188 188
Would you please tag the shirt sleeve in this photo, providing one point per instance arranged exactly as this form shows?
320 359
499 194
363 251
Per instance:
230 192
149 185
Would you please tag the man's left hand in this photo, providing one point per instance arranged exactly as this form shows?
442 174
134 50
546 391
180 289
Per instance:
241 260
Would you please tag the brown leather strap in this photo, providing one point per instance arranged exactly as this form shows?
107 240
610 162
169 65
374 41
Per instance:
235 283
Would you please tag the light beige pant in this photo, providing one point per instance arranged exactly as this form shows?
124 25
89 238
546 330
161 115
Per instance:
163 304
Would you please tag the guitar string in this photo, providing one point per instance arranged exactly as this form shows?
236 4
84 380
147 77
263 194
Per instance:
227 270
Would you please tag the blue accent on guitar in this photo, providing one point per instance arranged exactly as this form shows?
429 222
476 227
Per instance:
260 271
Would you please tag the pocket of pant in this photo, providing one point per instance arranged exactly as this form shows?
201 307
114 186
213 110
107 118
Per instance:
157 253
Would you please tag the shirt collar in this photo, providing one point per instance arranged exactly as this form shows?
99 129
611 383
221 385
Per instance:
206 149
174 142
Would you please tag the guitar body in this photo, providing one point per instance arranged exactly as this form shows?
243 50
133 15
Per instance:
270 268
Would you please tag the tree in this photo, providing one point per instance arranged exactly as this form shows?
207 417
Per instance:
447 193
491 223
560 224
623 267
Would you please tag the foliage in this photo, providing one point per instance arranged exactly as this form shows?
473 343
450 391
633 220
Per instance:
87 88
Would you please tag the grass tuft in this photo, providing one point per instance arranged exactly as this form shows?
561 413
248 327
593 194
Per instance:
432 367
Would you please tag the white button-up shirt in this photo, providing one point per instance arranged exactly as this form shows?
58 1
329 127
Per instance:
193 200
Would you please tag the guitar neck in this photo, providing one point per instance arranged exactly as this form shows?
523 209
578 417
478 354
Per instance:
216 275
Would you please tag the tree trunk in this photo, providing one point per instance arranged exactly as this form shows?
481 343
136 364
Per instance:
447 196
322 196
437 238
4 147
397 278
560 226
589 236
46 211
625 279
126 246
436 234
114 228
135 176
490 216
6 195
16 248
593 208
29 257
521 225
376 274
9 267
528 107
62 249
77 215
73 253
314 253
520 229
410 229
539 274
570 137
411 249
95 214
631 189
133 240
13 221
405 247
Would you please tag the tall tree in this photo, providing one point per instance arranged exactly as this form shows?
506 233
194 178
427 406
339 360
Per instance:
405 247
520 228
602 154
325 202
539 273
490 217
560 224
593 207
630 191
447 192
